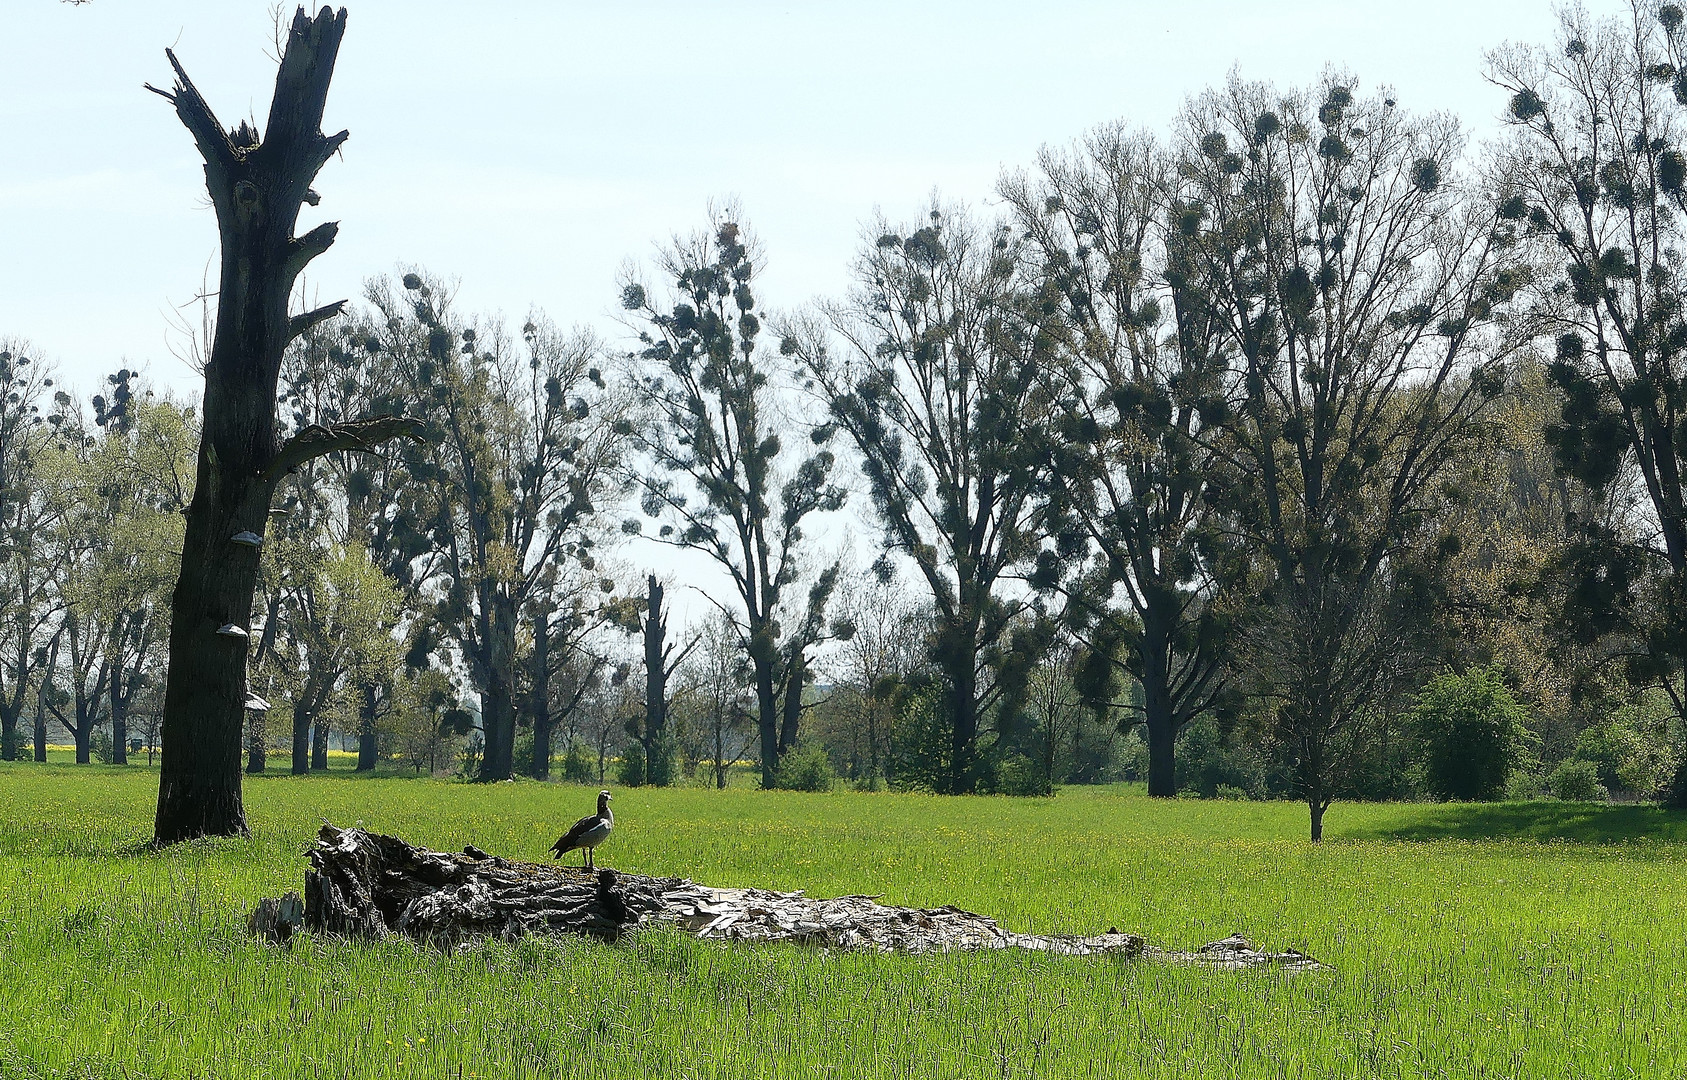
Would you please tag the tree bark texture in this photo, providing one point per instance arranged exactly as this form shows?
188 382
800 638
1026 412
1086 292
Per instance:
9 717
301 739
497 697
362 884
257 187
541 707
368 744
796 674
655 672
319 744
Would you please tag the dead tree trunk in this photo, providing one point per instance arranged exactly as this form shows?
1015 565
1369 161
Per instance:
257 187
362 884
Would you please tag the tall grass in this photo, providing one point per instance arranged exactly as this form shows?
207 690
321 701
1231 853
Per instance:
1553 955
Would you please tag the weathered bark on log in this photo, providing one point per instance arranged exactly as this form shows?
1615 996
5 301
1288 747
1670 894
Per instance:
364 884
257 186
367 885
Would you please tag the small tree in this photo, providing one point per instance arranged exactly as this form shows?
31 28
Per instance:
1473 734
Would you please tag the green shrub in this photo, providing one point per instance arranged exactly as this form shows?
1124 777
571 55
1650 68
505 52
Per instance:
1631 748
1576 780
523 753
660 766
578 766
100 746
805 767
1472 732
629 770
1019 775
1209 757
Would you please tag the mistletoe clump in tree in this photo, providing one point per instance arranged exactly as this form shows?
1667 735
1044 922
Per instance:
1144 375
522 446
1358 292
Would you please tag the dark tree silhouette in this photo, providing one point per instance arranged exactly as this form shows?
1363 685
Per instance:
1143 356
940 386
729 483
257 186
1595 182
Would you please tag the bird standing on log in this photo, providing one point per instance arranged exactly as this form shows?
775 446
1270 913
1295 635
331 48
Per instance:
587 833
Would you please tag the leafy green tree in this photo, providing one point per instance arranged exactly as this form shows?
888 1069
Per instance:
1596 182
939 382
338 613
127 482
1357 286
727 482
1473 733
1147 364
30 555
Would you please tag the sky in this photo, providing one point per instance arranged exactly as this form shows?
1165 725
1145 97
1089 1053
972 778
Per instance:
531 149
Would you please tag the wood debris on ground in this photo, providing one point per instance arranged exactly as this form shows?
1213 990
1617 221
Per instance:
363 884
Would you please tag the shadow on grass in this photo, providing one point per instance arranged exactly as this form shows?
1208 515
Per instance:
1587 823
334 772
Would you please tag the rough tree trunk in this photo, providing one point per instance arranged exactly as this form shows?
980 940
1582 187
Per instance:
963 714
497 697
1157 707
368 746
257 188
541 707
767 720
796 674
655 675
319 744
9 717
301 740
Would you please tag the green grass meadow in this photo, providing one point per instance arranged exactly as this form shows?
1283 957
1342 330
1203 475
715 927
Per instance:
1512 940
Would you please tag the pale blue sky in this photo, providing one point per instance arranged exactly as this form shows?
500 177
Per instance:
530 148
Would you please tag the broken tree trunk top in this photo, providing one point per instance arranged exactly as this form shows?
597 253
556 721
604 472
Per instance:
364 884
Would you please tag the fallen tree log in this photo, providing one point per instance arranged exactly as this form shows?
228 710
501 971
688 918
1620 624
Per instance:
366 885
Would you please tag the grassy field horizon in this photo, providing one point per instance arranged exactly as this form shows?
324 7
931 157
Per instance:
1468 940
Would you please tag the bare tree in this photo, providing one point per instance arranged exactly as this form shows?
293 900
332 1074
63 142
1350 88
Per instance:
257 186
